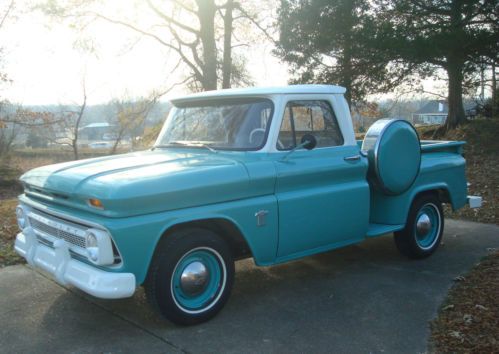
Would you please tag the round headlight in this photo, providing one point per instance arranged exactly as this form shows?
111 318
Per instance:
90 240
99 247
21 217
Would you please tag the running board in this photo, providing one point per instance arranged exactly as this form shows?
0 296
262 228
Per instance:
381 229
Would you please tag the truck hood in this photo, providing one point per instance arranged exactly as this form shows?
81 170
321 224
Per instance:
141 183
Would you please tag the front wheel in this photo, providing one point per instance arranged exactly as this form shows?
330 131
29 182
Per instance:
191 276
424 229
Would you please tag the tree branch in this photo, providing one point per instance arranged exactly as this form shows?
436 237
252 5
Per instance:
432 93
192 46
431 9
153 36
252 20
7 12
185 7
170 20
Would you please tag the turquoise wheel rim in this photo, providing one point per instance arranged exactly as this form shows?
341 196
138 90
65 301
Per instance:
427 226
208 289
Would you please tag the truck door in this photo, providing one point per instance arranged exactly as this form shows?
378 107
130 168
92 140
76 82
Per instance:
322 194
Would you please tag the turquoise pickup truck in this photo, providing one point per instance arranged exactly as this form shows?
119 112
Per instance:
269 173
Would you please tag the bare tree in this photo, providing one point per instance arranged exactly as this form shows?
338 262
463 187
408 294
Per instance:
198 31
130 117
16 119
8 127
5 13
64 126
76 127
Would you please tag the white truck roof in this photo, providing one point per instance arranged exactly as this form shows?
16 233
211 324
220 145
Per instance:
263 91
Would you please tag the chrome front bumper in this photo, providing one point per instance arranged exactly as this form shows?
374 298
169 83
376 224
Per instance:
68 271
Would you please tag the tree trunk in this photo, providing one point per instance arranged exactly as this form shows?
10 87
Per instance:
78 121
346 59
116 142
75 149
206 14
456 114
494 91
227 60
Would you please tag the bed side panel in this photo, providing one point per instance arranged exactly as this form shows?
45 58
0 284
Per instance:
439 170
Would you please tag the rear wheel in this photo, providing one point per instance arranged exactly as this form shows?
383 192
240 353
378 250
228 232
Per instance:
191 276
424 229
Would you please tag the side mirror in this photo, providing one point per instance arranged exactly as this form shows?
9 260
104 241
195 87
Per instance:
308 141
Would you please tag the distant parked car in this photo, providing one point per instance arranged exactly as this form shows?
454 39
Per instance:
100 145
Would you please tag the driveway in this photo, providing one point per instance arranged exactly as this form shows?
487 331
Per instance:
361 299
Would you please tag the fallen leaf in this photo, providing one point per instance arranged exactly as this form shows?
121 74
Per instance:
468 319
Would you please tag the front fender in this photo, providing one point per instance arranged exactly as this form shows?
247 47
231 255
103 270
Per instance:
137 237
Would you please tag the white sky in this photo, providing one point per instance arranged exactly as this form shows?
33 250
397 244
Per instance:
46 67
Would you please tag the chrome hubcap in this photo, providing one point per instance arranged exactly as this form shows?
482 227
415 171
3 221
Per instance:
423 225
194 278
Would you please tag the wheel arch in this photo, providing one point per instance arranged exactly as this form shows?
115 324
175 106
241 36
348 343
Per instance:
223 227
441 191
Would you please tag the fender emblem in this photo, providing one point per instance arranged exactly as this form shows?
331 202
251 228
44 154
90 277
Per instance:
260 217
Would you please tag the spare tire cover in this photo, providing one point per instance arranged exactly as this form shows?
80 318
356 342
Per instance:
394 152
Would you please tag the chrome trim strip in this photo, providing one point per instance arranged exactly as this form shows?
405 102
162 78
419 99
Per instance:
43 208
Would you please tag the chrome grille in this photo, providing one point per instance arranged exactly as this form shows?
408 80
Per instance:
49 228
52 231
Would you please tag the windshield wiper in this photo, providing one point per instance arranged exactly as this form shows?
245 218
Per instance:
173 143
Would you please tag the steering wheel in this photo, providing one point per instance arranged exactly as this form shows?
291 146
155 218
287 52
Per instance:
280 144
255 131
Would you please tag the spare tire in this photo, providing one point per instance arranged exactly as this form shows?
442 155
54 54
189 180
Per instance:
394 153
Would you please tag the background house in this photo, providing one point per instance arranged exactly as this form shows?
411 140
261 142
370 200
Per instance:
434 112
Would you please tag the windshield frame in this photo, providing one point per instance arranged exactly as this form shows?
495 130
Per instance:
216 102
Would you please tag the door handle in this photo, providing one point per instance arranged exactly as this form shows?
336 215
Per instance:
352 158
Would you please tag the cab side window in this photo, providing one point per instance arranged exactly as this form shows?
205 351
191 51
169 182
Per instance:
309 117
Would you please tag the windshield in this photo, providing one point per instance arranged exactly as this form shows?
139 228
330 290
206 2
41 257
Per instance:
220 125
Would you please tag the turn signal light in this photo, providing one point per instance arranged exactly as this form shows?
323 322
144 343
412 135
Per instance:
96 203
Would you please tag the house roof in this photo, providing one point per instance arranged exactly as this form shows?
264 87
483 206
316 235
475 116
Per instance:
263 91
97 125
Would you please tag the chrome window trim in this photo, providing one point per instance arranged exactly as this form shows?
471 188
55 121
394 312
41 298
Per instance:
335 118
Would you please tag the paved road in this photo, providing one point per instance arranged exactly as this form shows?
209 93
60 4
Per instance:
361 299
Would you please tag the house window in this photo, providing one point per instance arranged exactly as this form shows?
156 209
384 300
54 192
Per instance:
309 117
